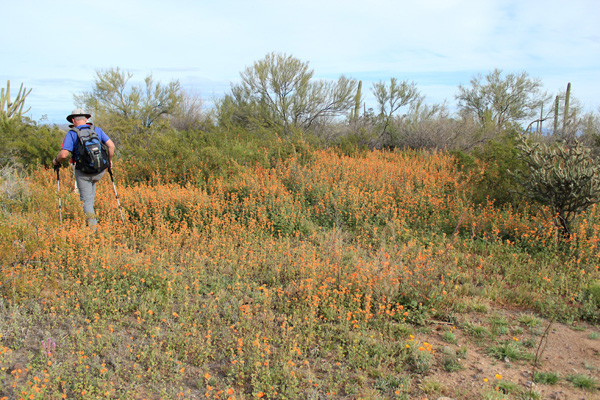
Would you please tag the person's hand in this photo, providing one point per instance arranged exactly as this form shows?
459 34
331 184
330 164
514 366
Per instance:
56 164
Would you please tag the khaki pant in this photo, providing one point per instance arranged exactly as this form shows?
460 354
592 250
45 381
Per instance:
86 183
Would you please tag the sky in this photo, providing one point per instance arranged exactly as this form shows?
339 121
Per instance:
57 47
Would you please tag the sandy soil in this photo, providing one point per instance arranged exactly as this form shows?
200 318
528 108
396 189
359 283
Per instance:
569 350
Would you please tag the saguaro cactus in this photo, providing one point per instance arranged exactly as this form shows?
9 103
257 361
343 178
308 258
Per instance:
357 101
556 104
13 109
566 111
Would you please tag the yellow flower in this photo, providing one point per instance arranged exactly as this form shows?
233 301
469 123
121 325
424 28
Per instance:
498 376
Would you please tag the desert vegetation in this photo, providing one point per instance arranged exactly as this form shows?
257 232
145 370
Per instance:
291 244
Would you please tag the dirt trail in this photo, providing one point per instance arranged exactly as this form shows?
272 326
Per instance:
568 351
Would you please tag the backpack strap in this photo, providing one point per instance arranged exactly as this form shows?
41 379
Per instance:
77 130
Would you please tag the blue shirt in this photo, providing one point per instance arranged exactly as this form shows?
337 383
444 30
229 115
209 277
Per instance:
71 142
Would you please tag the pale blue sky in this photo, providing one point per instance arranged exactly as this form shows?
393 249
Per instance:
56 47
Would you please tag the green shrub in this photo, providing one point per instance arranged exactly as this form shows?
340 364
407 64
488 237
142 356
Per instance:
28 144
497 157
162 154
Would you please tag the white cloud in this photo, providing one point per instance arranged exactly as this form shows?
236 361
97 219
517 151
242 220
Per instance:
205 44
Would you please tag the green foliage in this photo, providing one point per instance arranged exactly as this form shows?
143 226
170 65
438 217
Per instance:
590 301
353 144
451 360
14 189
197 157
594 335
12 109
393 97
590 131
419 360
490 167
529 320
499 155
562 177
507 387
278 92
122 109
28 144
548 378
449 337
506 99
584 382
509 350
593 292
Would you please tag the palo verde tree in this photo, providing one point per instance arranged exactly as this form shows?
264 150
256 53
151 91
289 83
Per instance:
561 176
497 101
390 98
590 130
279 92
121 107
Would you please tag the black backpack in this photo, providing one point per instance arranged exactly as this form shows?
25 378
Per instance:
93 154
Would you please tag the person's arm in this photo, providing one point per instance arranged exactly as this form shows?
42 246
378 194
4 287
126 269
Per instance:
111 150
61 157
66 150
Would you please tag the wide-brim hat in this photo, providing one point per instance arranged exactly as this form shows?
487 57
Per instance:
78 112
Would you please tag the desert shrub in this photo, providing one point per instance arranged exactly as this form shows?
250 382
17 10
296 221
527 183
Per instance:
28 144
353 144
196 157
14 189
496 158
590 301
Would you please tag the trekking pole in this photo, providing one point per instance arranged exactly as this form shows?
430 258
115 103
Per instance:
57 169
116 195
75 187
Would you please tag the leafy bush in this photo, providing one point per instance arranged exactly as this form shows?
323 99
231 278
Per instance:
162 154
28 144
495 183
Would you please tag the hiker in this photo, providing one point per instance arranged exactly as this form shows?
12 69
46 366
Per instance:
92 151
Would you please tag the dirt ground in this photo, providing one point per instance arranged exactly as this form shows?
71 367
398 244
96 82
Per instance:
569 350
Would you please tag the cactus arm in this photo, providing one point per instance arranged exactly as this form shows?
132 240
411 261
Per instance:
15 108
